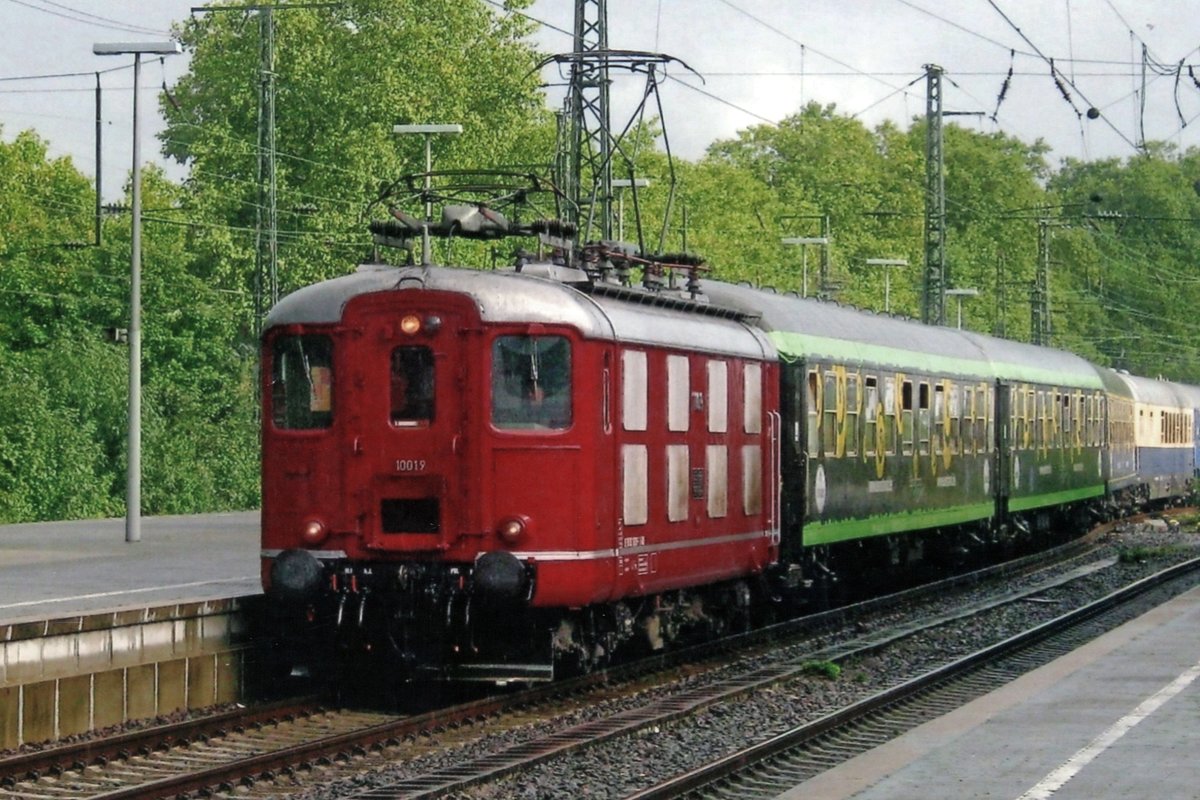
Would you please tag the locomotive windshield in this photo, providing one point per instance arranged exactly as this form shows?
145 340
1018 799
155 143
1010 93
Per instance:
412 386
531 382
302 382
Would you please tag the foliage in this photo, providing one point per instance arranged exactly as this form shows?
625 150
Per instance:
1140 554
345 74
821 669
1121 234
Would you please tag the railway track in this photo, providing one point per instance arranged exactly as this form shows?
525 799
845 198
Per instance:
262 752
769 768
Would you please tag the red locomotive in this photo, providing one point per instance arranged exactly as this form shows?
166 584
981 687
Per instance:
479 474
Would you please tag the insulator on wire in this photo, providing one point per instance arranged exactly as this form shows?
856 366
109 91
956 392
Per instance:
1004 86
1063 88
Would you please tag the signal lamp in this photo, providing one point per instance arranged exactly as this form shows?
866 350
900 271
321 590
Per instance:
433 323
512 529
314 532
411 324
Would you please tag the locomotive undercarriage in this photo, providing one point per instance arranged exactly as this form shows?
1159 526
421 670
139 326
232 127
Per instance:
430 622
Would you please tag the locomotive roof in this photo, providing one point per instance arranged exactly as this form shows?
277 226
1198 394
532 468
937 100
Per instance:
508 296
805 328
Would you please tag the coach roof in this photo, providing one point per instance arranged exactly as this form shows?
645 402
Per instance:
803 328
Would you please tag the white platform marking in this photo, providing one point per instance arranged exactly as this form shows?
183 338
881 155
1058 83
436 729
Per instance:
127 591
1071 767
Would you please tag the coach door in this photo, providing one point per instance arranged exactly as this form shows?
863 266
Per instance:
409 423
797 393
1004 438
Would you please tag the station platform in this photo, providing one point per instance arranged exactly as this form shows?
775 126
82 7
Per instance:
56 569
1120 717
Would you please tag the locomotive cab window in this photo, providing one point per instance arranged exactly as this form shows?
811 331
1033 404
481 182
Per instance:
302 382
412 386
531 382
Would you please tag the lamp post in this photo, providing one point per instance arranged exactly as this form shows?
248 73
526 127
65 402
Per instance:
887 264
427 130
133 489
959 294
803 242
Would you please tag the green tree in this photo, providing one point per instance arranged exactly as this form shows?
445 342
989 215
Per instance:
345 74
1127 275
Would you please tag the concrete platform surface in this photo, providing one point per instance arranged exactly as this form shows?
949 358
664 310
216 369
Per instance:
1118 718
52 569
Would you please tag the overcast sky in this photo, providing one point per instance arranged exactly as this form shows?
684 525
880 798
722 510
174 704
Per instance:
760 61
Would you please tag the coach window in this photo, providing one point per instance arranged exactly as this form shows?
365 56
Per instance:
752 398
1062 419
889 412
678 393
302 382
531 382
1039 420
955 418
718 397
412 386
1035 419
923 418
1017 401
829 426
906 418
852 400
1031 426
633 390
1090 403
812 399
937 424
968 419
985 420
871 416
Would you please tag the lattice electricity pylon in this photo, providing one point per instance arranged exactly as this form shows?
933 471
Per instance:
591 147
933 292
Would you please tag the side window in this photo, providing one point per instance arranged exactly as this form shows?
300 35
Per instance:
302 382
985 422
679 487
812 400
752 398
635 480
871 415
633 390
412 386
716 462
851 423
889 411
829 423
678 393
955 419
531 382
906 418
718 397
923 418
940 410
